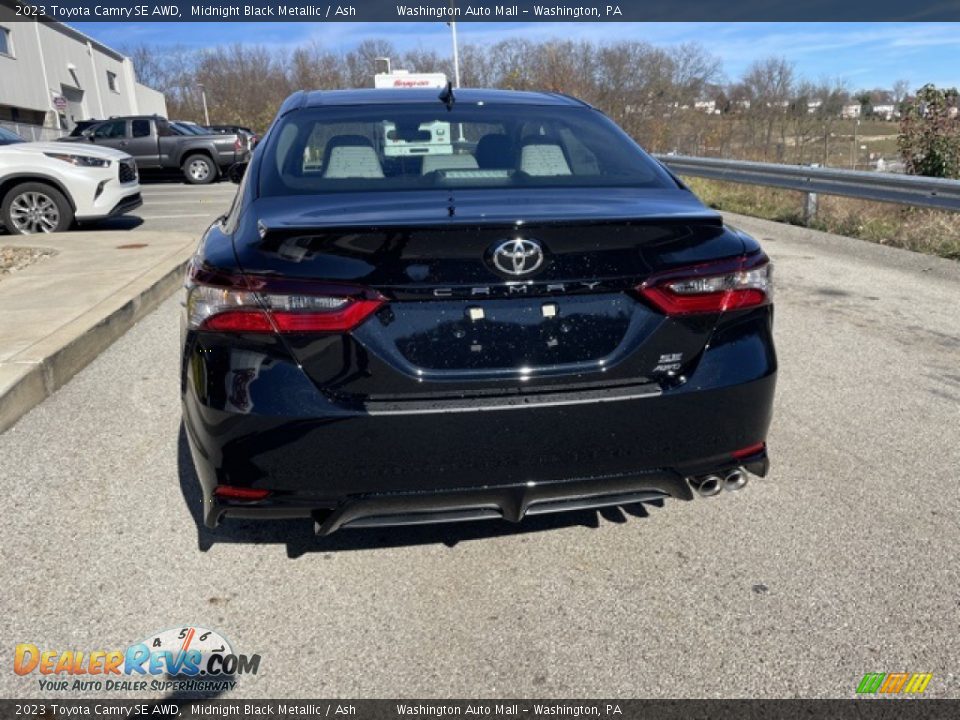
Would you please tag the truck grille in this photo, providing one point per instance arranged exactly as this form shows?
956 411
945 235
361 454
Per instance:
128 171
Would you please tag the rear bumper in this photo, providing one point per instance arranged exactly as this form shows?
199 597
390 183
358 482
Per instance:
257 422
510 502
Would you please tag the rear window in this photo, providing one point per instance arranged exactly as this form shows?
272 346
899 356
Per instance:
421 146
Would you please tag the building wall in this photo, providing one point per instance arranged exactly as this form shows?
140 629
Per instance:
150 101
21 78
51 59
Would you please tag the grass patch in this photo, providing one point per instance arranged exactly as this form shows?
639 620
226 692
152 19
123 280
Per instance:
933 232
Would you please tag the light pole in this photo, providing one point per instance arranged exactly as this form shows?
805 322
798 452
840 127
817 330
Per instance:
853 150
203 94
456 55
386 60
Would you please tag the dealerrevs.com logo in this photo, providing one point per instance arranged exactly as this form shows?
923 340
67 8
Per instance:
180 659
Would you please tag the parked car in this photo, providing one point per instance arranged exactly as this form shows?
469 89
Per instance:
191 128
9 137
157 146
541 318
185 129
227 129
45 187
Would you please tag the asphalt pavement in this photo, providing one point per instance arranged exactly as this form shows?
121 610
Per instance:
173 205
843 561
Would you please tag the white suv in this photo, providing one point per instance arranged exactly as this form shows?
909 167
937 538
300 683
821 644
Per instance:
45 187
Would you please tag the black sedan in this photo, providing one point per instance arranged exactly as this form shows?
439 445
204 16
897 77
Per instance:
478 305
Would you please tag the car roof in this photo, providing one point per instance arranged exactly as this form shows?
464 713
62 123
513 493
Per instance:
390 96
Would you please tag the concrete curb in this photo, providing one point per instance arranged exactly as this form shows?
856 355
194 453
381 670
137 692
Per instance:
80 341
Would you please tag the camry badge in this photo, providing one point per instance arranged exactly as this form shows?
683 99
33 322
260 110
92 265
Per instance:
517 257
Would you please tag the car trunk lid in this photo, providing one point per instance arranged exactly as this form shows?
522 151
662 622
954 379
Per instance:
457 322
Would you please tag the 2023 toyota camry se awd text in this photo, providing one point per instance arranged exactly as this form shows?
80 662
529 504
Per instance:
485 305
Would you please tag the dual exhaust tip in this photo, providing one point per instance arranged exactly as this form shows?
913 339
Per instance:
710 485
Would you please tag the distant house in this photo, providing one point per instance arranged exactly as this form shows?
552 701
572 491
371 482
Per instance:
707 106
814 106
887 111
851 111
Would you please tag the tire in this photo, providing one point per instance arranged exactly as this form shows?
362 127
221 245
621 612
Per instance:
200 170
33 208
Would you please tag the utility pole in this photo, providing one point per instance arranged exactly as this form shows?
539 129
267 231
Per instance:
456 55
203 94
456 70
853 150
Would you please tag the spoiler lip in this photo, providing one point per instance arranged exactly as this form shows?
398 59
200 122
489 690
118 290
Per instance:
464 207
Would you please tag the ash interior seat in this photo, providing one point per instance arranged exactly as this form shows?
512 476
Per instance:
543 159
351 156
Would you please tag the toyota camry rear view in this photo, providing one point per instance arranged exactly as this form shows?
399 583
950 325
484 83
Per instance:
478 305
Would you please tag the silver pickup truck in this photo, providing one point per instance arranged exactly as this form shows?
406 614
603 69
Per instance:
157 145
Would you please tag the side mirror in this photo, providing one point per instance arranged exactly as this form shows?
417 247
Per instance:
236 172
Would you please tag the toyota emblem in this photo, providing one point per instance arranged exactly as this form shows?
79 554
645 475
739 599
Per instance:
517 257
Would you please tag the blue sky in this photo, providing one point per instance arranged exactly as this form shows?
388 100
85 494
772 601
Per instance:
865 55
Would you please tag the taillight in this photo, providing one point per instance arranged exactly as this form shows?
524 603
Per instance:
221 302
234 492
744 282
750 451
237 145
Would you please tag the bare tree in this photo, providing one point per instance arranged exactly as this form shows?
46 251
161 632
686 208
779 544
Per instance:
769 84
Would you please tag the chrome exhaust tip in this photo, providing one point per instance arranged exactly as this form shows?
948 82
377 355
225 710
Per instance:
707 486
735 479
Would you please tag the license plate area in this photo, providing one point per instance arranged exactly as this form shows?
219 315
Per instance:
511 333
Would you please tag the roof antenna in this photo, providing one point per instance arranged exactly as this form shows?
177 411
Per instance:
446 97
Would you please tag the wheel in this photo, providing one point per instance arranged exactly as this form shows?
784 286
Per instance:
33 207
199 170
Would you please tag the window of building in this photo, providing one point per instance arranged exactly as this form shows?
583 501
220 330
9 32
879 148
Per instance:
112 81
6 48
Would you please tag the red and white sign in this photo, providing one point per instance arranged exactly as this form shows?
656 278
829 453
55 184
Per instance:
408 80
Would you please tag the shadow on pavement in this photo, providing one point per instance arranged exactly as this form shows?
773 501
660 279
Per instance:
298 535
123 222
174 177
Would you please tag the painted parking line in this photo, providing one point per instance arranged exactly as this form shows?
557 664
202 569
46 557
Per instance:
183 202
187 195
173 217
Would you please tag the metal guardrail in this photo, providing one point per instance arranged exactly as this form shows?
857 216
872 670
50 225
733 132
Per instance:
882 187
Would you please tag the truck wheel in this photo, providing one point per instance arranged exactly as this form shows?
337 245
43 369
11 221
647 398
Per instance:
31 208
199 170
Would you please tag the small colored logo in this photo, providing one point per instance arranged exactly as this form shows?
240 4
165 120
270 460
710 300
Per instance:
184 658
894 683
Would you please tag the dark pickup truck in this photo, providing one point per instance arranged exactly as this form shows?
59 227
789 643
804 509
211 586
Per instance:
157 145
